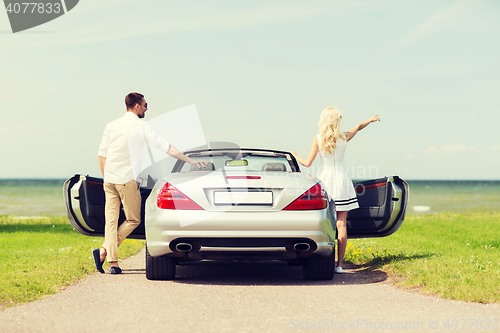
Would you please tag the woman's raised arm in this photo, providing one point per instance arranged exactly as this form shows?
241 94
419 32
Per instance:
352 132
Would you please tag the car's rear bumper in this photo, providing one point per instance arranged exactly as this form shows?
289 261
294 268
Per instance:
237 235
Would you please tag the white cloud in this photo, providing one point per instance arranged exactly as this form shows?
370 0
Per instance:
450 149
495 147
432 150
432 23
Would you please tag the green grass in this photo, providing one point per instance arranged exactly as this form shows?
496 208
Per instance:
455 256
40 256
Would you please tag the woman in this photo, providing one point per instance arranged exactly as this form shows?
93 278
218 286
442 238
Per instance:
331 145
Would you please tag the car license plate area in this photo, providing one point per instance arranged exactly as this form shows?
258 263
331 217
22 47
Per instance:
244 198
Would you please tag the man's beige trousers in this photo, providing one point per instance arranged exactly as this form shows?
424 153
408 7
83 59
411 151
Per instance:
116 194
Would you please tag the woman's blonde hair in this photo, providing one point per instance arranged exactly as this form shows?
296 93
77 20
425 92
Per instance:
329 130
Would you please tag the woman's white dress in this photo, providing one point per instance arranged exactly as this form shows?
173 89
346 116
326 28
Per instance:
334 177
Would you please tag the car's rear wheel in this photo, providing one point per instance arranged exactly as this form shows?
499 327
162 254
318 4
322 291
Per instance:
159 268
319 268
295 262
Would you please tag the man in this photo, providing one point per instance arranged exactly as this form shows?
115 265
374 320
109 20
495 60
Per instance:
119 140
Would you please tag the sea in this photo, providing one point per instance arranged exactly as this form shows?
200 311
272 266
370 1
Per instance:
44 197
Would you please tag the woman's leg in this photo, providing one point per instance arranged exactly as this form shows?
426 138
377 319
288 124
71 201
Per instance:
341 237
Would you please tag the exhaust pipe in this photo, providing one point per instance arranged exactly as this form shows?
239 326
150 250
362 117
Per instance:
184 247
301 247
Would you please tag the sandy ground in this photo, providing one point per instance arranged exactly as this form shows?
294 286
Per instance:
244 297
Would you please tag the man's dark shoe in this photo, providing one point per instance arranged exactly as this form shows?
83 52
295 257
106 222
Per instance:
115 270
97 260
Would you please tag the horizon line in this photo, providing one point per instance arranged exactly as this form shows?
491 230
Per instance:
353 179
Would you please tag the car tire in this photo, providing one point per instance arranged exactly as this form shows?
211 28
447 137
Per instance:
319 268
159 268
295 262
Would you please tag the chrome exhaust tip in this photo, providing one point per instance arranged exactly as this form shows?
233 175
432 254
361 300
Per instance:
184 247
301 247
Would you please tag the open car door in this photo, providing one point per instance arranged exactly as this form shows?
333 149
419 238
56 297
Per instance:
85 200
382 207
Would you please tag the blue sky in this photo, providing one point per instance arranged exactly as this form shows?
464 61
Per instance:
260 73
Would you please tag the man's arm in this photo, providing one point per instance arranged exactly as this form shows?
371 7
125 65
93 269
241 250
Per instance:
102 163
174 152
155 140
103 149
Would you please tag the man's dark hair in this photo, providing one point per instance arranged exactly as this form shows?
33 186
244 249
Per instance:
132 99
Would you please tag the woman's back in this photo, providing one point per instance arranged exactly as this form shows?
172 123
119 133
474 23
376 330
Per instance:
337 183
335 159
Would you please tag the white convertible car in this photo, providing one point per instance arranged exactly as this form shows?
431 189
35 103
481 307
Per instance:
247 204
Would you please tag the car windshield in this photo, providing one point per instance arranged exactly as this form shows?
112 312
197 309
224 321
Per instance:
242 161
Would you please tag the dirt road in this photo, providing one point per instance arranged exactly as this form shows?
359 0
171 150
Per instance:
244 297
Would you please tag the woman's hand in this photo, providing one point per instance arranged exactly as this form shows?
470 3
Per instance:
352 132
374 118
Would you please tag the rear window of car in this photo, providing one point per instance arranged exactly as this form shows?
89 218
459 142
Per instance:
251 162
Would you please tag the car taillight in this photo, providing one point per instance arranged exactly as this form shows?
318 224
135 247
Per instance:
360 188
314 198
171 198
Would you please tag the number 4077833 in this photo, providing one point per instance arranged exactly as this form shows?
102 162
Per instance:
33 8
471 324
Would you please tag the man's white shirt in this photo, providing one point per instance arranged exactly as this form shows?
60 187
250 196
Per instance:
122 145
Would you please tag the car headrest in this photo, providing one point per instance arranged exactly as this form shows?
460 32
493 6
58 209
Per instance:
209 167
274 167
